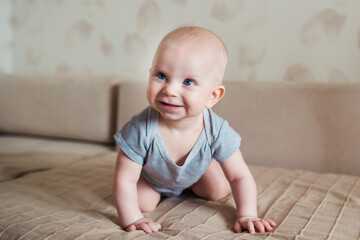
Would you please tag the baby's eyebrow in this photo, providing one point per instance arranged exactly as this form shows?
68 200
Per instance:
156 66
194 76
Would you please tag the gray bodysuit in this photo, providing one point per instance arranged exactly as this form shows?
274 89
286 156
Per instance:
140 140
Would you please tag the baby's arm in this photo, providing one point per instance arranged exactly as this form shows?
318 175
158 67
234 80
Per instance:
126 176
245 195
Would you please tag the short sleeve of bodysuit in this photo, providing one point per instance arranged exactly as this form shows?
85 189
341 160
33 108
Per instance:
133 138
225 140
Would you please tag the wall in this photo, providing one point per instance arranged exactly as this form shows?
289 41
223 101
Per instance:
278 40
6 37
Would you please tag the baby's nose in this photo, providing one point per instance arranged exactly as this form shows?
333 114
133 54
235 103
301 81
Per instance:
170 89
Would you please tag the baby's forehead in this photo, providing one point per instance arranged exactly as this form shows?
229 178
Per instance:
198 38
205 54
207 48
189 46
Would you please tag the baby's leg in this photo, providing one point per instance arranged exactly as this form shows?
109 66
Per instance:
147 195
213 185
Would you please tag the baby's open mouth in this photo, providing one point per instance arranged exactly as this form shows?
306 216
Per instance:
169 105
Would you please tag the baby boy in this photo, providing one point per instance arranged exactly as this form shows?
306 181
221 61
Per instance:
178 142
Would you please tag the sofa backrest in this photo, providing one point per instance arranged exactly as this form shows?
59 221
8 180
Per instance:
312 126
131 100
75 107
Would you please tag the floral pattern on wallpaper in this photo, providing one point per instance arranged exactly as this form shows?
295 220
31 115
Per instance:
297 41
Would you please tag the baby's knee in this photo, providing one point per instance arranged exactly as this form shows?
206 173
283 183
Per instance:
220 193
214 192
147 207
148 202
148 197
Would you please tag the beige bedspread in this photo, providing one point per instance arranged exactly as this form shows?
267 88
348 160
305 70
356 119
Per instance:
69 197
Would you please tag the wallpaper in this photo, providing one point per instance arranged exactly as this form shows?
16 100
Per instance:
281 40
5 37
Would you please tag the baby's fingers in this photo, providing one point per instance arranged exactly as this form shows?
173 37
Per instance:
250 227
237 227
259 226
154 226
268 225
142 226
158 225
145 227
272 223
148 227
131 228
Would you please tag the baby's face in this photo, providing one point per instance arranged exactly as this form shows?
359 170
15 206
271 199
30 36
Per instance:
182 80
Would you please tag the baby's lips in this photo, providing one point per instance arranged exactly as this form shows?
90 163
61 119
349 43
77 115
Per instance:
170 104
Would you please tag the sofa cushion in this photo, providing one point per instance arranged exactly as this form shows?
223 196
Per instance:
75 107
12 144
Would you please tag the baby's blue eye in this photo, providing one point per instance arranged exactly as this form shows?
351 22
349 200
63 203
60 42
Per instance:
188 82
161 76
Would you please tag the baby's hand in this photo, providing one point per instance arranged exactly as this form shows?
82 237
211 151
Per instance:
145 224
253 223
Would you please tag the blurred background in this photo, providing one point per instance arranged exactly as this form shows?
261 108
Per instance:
279 40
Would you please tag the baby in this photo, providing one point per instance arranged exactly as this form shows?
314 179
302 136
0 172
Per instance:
178 142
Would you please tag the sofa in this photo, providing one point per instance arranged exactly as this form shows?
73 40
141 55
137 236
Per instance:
57 156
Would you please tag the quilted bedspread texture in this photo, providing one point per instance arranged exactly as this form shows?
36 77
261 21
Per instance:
69 196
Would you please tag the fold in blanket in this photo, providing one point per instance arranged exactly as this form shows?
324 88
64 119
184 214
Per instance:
15 165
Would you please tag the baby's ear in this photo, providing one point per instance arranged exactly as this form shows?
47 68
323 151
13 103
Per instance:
217 94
